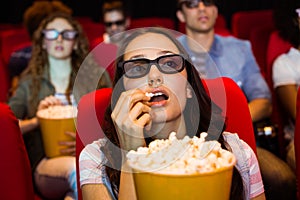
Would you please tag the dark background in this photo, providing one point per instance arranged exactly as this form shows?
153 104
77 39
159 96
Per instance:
13 10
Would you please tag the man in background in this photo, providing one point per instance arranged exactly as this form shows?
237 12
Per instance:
216 56
115 20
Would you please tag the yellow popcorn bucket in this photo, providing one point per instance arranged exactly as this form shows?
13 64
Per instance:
214 185
53 132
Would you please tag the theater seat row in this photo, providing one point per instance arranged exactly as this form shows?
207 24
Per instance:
15 37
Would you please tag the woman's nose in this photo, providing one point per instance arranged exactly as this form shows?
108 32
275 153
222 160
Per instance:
201 5
155 78
114 27
59 38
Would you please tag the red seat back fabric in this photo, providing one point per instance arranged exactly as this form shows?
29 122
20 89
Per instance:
255 26
93 30
244 21
229 96
259 39
91 109
15 167
297 143
152 21
105 55
9 26
11 41
4 81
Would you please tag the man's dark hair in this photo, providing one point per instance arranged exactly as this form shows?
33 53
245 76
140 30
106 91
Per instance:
109 6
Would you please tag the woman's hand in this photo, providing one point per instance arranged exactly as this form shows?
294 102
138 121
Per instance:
30 124
130 117
48 101
69 146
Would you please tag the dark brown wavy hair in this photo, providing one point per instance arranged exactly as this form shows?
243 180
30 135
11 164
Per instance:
286 20
39 10
208 119
39 65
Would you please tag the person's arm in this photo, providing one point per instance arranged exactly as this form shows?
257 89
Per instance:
28 125
91 168
259 197
287 95
127 187
260 109
285 82
95 191
100 192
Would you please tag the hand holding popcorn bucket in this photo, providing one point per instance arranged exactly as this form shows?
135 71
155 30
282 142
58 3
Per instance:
182 169
54 122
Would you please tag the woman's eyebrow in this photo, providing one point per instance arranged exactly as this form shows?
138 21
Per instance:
137 56
165 52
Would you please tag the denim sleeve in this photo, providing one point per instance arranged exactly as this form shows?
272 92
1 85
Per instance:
254 84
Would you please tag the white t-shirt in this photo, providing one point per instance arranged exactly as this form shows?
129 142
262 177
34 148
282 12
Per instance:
286 69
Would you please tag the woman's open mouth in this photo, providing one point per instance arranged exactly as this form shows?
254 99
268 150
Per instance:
157 98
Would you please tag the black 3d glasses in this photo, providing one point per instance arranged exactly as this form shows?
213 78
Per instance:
195 3
168 64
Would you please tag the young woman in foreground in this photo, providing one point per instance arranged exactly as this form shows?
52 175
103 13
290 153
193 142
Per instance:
152 61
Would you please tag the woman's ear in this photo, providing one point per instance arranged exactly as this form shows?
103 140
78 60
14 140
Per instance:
189 92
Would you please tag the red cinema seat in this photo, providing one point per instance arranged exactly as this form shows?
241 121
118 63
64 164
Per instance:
15 168
259 39
93 30
229 96
11 41
105 55
255 26
10 26
243 22
91 113
4 81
